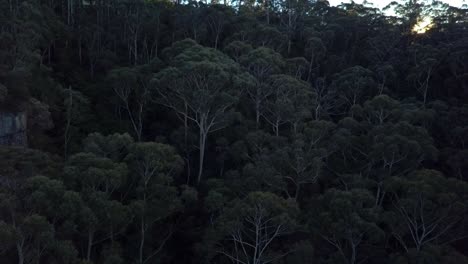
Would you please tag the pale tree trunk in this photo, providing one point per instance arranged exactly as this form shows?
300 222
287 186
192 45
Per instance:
261 233
216 41
295 124
425 96
137 124
257 113
187 151
377 195
203 136
276 128
135 48
69 117
19 249
353 253
70 12
382 86
298 189
80 52
142 240
289 27
90 245
311 63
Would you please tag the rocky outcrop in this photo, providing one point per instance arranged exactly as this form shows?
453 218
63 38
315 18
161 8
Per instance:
13 129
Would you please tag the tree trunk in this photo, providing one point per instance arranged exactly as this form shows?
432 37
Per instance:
187 152
69 119
257 114
187 159
380 195
353 254
142 240
19 249
298 189
185 124
311 63
203 136
68 12
80 52
377 195
317 112
289 29
425 96
216 41
276 128
135 48
382 86
90 245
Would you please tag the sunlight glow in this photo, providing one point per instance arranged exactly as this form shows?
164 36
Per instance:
423 25
383 3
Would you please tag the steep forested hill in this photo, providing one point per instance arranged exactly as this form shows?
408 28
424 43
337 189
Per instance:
244 132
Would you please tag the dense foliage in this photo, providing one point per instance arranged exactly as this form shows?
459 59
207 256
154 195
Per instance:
246 132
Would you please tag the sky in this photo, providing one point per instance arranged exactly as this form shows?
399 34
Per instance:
382 3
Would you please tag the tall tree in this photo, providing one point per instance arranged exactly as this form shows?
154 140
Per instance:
153 165
248 228
428 209
200 88
261 63
131 86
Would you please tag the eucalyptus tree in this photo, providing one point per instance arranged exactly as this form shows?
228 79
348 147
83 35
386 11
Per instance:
296 67
155 198
267 37
428 209
288 102
30 204
256 155
379 143
292 16
280 165
217 18
397 150
248 228
347 221
200 86
450 128
302 160
77 111
33 232
315 50
114 147
355 84
236 49
261 63
425 62
131 87
96 178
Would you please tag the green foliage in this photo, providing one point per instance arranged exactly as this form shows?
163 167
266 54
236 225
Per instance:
114 147
348 221
247 132
86 171
429 207
252 224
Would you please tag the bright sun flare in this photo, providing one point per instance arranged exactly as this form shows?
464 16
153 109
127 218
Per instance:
423 25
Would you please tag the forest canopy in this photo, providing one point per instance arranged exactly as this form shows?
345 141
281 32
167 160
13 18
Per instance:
244 132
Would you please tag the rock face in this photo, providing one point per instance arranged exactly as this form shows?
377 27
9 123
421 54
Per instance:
13 129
